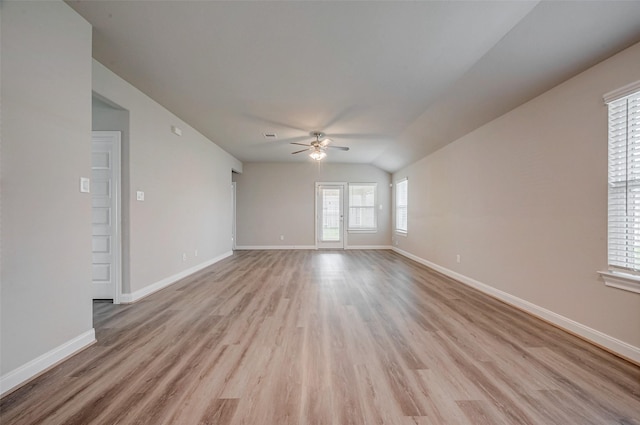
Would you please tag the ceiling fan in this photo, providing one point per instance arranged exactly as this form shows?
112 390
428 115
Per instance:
318 147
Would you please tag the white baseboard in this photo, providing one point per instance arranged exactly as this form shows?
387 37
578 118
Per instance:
271 247
290 247
610 343
41 364
128 298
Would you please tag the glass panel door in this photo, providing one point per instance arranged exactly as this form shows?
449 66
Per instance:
330 219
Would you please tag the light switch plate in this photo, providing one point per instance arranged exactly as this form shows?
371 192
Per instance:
85 185
140 195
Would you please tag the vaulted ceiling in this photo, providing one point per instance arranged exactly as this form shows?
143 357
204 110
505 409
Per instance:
393 80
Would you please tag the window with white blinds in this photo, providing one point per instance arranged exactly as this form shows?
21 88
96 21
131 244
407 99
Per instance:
402 193
624 182
362 207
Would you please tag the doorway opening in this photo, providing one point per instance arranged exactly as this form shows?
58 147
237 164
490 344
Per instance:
109 200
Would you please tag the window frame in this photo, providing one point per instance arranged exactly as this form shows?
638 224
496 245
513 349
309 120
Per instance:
399 230
623 272
374 228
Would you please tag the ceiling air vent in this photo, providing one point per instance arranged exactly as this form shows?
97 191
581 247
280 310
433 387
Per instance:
270 135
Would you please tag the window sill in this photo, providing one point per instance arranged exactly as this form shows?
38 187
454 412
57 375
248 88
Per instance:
621 280
401 233
362 230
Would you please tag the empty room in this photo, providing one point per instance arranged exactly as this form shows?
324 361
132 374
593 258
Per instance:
319 212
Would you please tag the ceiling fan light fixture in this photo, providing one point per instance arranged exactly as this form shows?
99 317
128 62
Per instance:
318 155
317 147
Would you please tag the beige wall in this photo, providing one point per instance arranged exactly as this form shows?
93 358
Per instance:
45 220
523 200
187 185
276 199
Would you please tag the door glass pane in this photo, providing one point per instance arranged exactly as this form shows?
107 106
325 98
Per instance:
330 231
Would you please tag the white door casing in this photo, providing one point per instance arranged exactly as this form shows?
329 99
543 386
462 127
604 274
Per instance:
330 215
105 203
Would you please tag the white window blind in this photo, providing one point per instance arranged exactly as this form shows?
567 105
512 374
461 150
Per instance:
624 182
362 207
402 192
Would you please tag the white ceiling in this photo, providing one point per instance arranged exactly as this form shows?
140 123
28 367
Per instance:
393 80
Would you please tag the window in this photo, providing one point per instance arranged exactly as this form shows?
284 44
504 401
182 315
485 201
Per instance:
362 207
624 182
402 190
624 188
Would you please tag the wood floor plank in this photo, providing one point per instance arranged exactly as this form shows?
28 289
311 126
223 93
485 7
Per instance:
327 337
481 413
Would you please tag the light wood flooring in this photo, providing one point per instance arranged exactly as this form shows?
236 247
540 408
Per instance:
327 337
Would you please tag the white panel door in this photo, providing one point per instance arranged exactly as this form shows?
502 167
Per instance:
330 216
233 215
105 195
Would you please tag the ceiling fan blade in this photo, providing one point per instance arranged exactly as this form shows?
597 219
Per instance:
279 142
325 142
342 148
303 150
301 144
294 139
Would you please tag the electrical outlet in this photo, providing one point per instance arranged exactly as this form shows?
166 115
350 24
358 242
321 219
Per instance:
281 237
184 256
195 254
458 258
